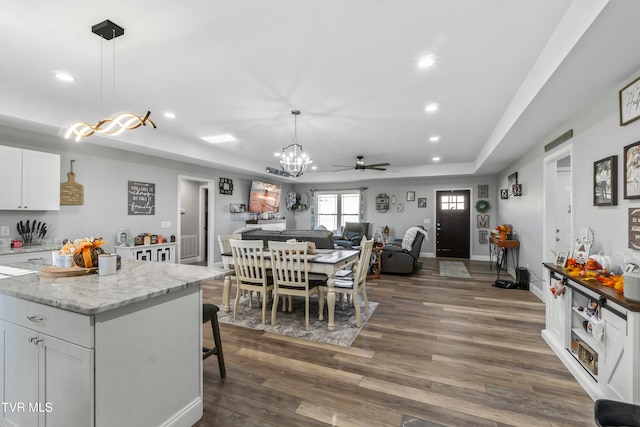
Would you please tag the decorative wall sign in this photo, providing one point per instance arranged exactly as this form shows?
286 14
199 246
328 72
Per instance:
411 196
226 186
483 237
71 193
422 202
382 203
629 97
142 198
393 199
400 207
483 191
482 221
517 190
634 228
504 193
482 206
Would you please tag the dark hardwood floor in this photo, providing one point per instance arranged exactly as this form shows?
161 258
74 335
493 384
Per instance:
450 351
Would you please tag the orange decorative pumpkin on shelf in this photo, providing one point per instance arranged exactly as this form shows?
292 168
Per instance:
592 264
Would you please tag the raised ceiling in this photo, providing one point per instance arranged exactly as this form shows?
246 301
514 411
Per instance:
507 75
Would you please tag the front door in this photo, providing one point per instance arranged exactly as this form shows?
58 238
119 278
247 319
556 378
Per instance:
452 223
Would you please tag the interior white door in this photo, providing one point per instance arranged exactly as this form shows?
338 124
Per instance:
563 210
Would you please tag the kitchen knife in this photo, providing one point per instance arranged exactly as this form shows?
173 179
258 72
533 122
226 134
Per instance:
21 228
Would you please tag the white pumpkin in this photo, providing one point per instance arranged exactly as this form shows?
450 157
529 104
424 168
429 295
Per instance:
608 263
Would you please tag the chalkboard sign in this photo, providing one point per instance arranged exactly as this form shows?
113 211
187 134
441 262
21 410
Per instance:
634 228
142 198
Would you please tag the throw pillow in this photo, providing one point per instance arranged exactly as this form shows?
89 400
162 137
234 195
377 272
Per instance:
350 236
409 237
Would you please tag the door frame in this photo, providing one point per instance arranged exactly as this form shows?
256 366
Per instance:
435 223
550 174
210 184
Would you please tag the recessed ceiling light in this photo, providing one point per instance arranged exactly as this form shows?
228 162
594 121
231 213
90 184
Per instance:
169 115
65 77
314 167
436 159
216 139
276 154
427 61
431 108
434 138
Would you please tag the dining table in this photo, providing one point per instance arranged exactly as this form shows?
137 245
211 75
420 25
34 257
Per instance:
324 261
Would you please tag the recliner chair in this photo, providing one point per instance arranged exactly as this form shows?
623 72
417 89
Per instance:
399 260
352 234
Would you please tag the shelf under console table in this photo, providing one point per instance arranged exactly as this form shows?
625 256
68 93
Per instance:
606 367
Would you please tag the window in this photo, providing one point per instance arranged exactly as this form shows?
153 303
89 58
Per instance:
452 203
335 209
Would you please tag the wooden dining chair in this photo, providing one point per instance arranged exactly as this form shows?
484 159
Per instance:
290 269
225 246
356 283
251 273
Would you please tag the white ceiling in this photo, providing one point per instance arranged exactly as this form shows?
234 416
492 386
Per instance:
508 74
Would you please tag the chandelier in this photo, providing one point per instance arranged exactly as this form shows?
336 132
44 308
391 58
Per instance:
293 159
110 126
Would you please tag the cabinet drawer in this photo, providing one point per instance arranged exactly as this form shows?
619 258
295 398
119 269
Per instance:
65 325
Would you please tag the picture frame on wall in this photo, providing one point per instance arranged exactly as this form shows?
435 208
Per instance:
629 105
513 180
632 171
605 182
411 196
422 202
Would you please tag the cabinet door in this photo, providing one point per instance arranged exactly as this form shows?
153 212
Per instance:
10 178
615 364
66 384
18 375
40 181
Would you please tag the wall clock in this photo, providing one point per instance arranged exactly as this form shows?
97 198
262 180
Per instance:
226 186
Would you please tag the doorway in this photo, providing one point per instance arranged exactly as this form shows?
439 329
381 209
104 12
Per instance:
194 220
453 219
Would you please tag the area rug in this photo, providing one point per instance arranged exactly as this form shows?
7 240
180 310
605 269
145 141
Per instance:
293 324
408 421
453 269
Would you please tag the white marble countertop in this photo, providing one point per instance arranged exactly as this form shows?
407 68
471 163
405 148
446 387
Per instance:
135 281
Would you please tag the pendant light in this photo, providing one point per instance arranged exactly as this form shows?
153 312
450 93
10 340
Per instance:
293 159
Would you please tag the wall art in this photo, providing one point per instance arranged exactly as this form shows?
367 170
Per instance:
605 182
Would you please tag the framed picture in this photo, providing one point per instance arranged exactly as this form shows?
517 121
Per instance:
513 180
422 202
517 190
581 251
605 182
411 196
226 186
561 258
629 105
504 193
632 171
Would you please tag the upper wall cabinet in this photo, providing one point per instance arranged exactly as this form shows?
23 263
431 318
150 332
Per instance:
29 180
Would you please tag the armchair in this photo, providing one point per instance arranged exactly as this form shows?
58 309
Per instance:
352 234
401 256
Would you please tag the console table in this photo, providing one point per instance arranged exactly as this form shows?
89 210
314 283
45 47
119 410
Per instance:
268 224
498 245
607 366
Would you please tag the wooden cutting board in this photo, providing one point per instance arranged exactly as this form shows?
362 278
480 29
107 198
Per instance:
71 193
51 271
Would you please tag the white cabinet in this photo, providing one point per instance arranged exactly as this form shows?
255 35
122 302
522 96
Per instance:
44 380
607 367
161 252
268 224
29 180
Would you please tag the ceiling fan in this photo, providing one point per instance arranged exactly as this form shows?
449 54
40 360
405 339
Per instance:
361 165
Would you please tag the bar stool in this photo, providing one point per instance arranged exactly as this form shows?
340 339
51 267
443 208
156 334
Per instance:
210 314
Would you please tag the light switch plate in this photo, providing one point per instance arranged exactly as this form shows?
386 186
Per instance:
5 230
427 221
165 224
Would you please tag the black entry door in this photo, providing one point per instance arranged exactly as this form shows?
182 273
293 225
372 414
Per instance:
452 223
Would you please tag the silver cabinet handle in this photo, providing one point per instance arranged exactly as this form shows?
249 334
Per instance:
37 341
32 339
35 319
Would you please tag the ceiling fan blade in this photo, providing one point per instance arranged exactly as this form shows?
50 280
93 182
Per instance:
374 168
341 166
375 165
345 168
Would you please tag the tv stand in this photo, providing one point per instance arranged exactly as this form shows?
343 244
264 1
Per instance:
267 224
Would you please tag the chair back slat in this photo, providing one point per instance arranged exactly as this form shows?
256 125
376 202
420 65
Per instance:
289 264
363 262
248 259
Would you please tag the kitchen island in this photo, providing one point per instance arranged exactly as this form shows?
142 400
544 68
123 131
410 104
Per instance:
117 350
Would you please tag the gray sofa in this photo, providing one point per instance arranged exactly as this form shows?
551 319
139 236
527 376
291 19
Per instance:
322 238
396 260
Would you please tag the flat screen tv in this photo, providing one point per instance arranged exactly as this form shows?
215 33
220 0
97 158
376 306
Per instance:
264 197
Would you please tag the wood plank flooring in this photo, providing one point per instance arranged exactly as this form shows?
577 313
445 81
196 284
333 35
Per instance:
451 351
